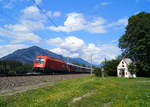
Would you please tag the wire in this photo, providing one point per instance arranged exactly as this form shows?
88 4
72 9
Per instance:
43 12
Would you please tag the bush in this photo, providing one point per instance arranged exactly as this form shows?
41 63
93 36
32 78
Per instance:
110 67
97 72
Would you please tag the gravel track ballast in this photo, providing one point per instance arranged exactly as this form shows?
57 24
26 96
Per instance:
12 85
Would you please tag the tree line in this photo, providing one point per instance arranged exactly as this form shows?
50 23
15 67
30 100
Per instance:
14 67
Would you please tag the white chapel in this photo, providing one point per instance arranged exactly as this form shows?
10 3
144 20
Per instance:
122 68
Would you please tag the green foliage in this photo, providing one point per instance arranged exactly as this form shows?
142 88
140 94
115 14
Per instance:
14 67
110 67
97 71
142 69
132 68
136 42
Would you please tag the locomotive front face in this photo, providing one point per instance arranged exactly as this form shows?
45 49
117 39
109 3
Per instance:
39 62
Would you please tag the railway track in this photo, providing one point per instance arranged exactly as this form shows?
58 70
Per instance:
38 74
11 84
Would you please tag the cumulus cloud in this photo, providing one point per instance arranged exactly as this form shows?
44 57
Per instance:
101 4
70 43
7 49
74 47
64 52
77 21
31 20
99 53
19 32
33 13
122 21
31 10
53 14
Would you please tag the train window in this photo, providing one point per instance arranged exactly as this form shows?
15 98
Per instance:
40 60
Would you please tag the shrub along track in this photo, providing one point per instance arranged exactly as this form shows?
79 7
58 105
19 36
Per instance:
14 84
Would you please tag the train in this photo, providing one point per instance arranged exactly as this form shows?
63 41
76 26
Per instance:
48 64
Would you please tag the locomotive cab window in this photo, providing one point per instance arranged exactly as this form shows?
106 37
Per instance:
40 60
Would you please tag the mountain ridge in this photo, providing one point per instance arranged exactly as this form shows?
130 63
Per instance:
27 56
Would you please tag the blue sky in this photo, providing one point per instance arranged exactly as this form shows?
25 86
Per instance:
84 28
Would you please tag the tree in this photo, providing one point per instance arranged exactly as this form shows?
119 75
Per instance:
135 43
132 68
97 71
110 67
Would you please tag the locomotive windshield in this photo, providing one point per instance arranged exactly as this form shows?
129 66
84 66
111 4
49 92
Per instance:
40 60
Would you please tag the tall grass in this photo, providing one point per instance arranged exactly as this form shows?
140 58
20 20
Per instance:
90 92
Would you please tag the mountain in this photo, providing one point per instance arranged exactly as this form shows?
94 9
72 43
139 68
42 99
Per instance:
27 56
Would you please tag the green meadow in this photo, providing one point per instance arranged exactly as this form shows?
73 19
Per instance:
88 91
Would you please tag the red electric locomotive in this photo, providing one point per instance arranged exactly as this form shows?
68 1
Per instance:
47 64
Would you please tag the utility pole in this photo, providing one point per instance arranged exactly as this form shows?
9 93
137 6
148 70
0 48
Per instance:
91 64
103 70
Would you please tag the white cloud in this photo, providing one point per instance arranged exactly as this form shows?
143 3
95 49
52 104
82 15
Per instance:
56 13
32 13
137 12
113 41
19 33
7 49
64 52
101 4
53 14
122 21
30 10
80 49
77 21
99 53
31 20
96 26
32 25
55 41
70 43
104 3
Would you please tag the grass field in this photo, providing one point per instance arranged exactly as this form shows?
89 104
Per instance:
85 92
